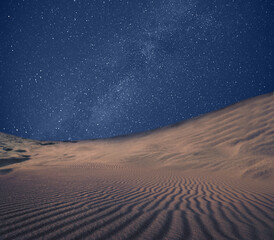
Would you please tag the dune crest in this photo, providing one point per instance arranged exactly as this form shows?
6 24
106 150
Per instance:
236 140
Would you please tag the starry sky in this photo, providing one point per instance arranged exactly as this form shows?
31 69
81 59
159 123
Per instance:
85 69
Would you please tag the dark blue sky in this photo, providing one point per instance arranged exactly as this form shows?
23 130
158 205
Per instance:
73 69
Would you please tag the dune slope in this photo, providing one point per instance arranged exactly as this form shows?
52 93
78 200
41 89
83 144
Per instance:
236 140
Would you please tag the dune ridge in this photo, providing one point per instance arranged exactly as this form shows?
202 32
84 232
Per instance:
206 178
238 139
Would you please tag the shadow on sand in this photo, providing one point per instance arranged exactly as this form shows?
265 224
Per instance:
5 171
13 160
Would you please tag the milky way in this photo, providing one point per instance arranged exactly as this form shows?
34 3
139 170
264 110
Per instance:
93 69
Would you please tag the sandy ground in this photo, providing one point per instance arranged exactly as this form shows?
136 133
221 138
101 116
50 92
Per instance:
207 178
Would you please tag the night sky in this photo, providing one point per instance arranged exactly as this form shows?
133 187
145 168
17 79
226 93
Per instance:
73 69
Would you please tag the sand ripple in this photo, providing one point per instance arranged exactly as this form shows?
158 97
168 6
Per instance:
112 202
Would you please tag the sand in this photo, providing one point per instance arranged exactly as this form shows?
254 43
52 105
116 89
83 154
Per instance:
206 178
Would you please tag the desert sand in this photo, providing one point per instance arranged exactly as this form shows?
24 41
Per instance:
211 177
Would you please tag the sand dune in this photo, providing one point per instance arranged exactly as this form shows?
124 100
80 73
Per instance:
206 178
